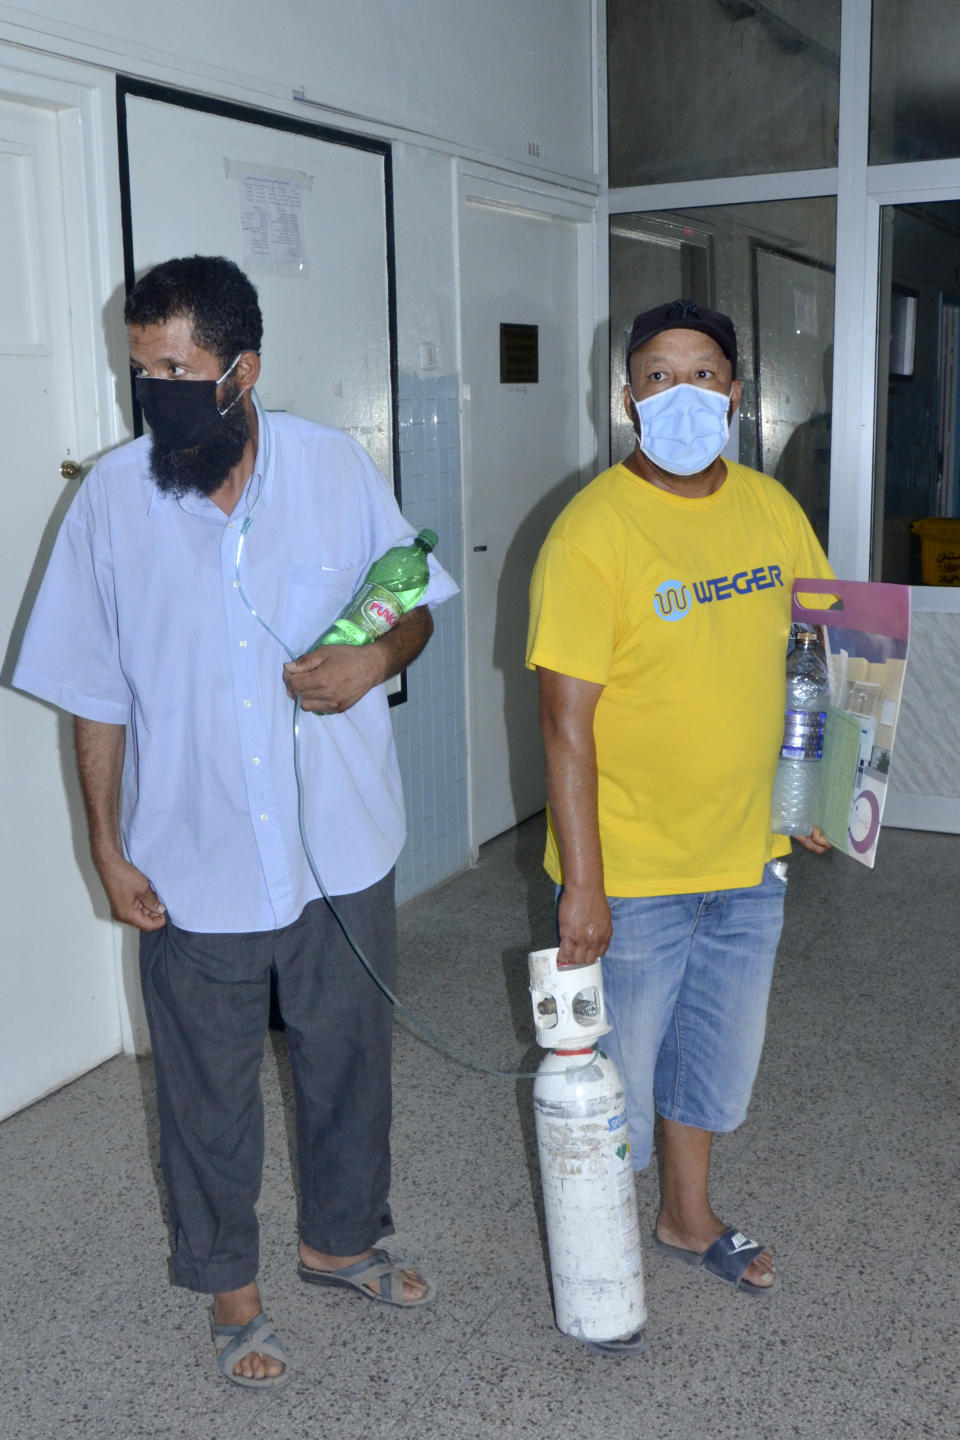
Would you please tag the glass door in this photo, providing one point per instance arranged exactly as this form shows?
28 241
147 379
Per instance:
916 512
770 266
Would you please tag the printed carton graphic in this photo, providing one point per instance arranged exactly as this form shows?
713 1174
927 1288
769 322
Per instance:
866 634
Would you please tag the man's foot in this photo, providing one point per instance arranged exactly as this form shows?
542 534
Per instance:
760 1273
687 1224
239 1307
415 1288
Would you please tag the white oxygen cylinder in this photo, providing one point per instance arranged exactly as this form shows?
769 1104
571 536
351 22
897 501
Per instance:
583 1139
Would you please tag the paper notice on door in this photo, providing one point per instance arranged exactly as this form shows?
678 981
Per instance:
271 218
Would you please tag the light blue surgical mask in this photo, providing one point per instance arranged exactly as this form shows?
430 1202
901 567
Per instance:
683 429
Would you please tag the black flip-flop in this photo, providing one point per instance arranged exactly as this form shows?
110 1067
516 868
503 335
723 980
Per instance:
727 1259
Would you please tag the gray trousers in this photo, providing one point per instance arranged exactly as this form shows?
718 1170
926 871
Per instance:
207 999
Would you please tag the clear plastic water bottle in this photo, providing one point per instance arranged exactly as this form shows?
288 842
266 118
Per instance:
796 787
393 585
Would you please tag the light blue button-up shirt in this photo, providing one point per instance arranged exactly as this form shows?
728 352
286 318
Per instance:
140 621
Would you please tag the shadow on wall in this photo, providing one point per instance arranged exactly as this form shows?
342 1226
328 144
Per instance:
118 357
116 344
509 647
115 335
804 464
520 691
64 722
528 790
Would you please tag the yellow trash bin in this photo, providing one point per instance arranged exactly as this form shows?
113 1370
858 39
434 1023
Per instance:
939 550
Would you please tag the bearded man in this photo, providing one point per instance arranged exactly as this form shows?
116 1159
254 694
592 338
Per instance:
144 629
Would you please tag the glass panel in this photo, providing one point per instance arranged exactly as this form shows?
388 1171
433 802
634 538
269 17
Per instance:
917 470
770 267
700 89
914 100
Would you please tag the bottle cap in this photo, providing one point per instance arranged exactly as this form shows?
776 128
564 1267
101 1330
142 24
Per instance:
426 540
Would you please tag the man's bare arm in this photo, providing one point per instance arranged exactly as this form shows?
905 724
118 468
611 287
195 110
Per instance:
333 678
100 749
567 708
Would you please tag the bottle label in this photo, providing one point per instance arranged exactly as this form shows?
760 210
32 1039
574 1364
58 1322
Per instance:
374 610
803 734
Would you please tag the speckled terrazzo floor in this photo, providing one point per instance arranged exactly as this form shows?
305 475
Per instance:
848 1167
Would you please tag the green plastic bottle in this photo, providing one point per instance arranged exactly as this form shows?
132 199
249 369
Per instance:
394 584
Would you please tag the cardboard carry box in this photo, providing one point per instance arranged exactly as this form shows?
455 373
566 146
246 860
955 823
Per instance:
866 634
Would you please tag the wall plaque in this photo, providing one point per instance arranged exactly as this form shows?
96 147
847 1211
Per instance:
519 354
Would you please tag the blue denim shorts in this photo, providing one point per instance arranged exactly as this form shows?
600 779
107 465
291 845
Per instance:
686 980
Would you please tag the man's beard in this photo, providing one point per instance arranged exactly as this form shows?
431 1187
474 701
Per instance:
203 468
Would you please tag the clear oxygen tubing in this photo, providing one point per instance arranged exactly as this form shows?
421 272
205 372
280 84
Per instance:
413 1023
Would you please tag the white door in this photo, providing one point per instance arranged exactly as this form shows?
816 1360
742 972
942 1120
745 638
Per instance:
59 1013
523 444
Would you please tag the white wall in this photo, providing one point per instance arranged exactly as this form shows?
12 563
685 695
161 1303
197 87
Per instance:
490 76
424 224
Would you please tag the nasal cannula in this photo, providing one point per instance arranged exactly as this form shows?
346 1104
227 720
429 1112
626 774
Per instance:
266 450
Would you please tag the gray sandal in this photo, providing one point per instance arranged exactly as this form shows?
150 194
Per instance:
233 1342
378 1266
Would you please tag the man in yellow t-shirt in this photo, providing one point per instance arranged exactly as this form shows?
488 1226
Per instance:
660 613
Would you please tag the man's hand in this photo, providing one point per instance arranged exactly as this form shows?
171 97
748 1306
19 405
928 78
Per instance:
583 919
100 751
816 841
133 900
334 677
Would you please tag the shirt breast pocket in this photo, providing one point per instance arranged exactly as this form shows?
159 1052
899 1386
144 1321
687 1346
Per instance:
315 595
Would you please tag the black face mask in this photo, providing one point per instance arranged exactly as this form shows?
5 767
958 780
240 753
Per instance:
203 469
182 413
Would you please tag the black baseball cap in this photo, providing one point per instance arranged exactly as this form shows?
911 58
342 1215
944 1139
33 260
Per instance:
684 315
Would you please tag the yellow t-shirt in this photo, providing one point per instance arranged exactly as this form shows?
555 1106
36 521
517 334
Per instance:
680 609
